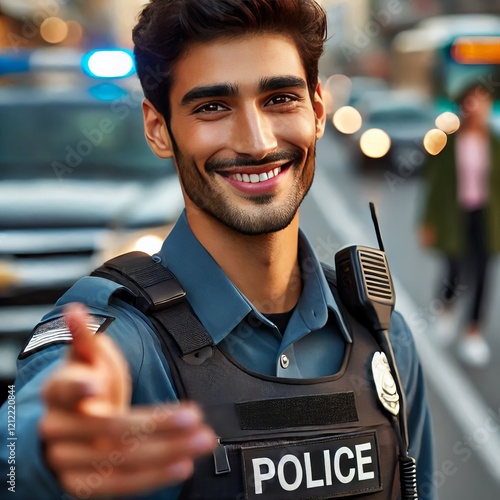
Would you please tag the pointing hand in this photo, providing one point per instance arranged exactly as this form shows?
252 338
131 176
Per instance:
96 443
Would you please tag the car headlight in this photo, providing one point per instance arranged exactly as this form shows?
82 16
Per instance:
8 276
118 242
150 243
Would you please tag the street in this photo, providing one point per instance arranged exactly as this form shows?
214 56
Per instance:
464 402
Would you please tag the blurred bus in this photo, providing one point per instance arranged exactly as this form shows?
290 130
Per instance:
443 55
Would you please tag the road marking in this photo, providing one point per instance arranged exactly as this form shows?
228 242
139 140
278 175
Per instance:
457 393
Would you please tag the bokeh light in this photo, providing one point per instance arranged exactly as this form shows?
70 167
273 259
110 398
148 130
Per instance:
54 30
75 33
339 88
347 120
375 143
434 141
448 122
149 244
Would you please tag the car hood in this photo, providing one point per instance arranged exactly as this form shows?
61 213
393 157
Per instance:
72 204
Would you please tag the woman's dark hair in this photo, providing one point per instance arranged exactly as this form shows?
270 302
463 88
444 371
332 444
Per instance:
166 29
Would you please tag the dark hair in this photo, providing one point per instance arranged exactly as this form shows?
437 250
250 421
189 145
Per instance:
166 28
468 96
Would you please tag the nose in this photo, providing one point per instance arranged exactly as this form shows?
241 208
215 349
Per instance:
253 134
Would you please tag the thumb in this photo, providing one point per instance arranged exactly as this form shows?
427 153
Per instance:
83 346
107 372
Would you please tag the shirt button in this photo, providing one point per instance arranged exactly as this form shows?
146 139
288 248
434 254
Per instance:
284 361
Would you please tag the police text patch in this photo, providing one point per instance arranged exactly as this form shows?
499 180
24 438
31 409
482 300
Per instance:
55 331
334 466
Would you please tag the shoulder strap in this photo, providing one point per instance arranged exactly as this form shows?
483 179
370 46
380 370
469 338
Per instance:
156 292
152 285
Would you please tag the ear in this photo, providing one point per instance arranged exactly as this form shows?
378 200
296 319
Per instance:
156 131
319 110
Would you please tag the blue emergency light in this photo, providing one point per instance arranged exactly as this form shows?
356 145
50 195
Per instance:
109 63
100 63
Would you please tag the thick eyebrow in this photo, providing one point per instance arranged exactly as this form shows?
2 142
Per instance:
268 84
202 92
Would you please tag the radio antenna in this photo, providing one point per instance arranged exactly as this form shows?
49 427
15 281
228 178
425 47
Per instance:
377 227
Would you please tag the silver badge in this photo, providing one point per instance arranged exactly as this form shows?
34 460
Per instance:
384 382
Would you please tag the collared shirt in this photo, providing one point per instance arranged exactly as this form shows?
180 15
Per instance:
230 318
313 343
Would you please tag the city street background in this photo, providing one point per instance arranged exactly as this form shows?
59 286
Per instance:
389 59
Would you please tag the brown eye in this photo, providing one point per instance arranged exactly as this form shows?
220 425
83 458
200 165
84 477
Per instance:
282 99
212 107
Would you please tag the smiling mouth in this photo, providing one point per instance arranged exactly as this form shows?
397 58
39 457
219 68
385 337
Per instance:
254 178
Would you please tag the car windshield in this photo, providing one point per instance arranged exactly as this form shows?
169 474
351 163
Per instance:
399 116
43 141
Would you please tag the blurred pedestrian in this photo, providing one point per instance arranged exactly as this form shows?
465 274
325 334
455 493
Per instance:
461 218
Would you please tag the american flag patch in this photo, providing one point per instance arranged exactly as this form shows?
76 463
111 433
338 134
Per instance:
56 331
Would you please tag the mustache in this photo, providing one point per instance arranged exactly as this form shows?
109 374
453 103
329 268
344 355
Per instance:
215 164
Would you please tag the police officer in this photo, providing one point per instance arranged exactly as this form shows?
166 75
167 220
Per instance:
279 370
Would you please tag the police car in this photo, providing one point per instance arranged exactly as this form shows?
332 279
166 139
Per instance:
78 182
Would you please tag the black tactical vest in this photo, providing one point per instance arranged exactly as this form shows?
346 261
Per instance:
279 438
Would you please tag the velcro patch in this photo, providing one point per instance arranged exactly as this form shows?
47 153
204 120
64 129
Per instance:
56 331
300 411
329 467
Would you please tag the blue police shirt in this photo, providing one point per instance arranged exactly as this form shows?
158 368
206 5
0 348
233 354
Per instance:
314 342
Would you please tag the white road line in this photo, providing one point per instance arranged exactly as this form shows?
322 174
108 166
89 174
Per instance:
451 384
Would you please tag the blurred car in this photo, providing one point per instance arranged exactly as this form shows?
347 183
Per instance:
78 185
361 85
405 117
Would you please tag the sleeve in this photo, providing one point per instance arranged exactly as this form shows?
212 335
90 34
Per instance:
151 385
32 478
419 421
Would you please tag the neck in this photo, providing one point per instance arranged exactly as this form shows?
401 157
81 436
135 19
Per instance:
264 268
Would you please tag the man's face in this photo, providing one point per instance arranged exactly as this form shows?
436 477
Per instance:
244 131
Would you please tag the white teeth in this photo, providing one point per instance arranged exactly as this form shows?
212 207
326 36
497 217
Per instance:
256 178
